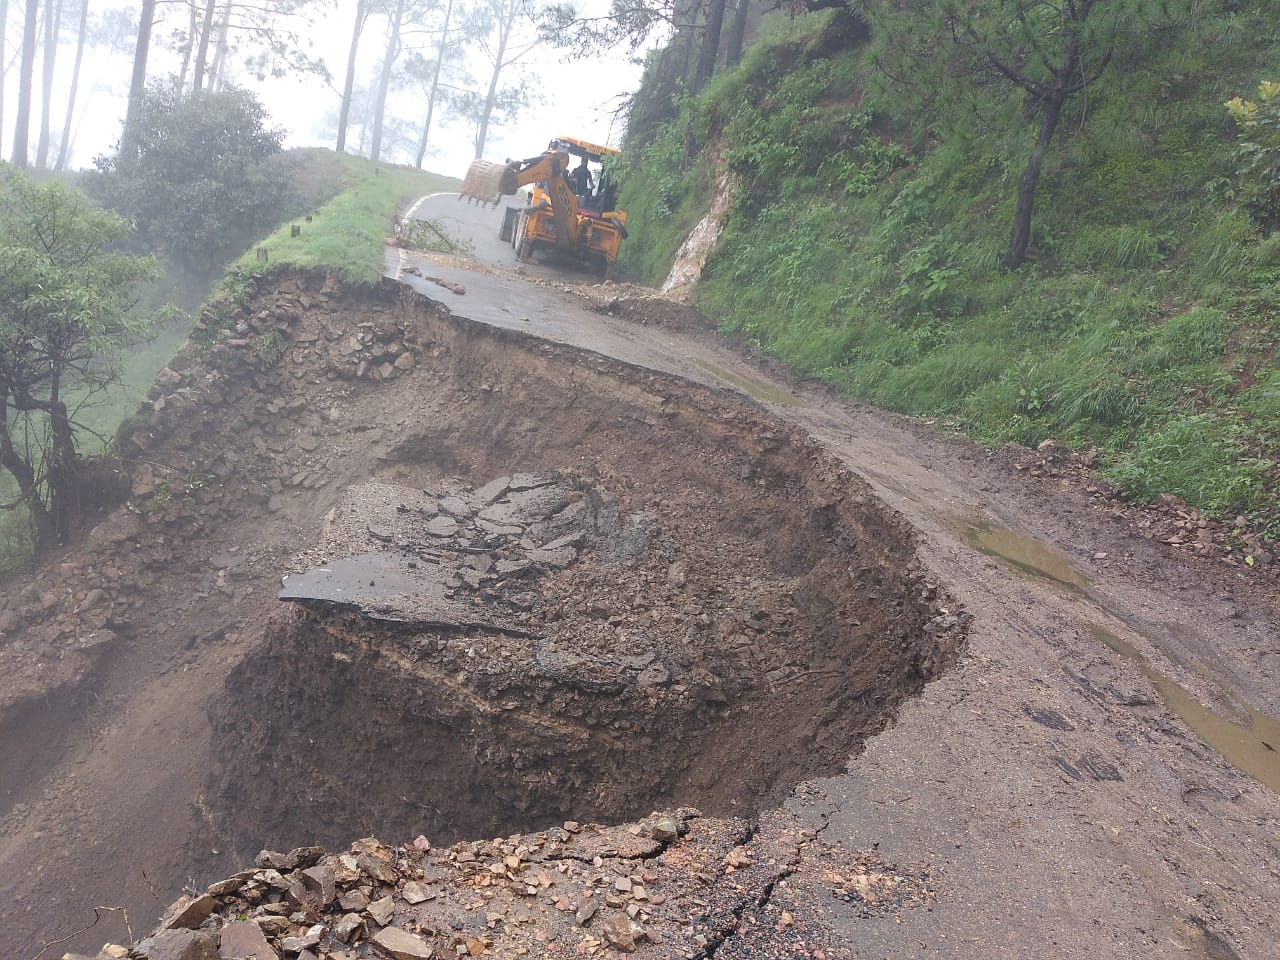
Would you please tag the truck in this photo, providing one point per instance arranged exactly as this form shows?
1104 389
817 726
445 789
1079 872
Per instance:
569 210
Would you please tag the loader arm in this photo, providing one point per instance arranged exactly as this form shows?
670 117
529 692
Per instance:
488 182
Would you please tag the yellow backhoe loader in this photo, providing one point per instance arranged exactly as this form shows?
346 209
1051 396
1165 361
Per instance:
570 210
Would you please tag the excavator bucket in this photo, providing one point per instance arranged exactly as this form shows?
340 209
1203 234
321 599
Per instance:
487 181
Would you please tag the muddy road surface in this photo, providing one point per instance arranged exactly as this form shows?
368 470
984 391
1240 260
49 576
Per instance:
554 552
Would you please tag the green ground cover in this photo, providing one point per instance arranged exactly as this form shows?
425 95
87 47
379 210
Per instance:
348 233
865 242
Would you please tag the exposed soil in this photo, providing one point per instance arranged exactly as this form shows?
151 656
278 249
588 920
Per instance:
728 586
752 588
639 658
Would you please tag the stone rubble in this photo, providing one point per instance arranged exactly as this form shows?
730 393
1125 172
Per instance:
1168 520
461 546
674 884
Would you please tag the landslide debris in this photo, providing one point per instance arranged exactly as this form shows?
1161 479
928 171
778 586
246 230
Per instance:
739 613
475 660
672 884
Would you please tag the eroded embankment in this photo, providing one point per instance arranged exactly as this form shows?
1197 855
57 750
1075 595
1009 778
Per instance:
737 611
686 604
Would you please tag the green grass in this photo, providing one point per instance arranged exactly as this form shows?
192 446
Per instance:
347 234
864 246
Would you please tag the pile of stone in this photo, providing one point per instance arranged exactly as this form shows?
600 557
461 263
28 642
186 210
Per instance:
672 885
390 550
511 897
373 351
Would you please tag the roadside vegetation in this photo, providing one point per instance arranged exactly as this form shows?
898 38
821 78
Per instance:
881 163
67 297
347 235
86 287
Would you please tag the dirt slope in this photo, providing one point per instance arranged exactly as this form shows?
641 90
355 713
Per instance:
1048 785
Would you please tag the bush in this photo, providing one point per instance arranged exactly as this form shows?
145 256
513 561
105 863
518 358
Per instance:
203 177
1258 154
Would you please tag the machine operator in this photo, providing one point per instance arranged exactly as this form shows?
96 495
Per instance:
581 179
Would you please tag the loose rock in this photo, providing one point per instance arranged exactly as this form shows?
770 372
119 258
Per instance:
401 945
244 940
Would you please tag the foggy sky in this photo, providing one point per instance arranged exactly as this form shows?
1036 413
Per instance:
577 98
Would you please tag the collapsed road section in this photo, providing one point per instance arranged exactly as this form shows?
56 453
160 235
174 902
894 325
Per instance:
592 590
654 618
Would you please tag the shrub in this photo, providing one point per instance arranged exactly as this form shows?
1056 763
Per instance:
1258 154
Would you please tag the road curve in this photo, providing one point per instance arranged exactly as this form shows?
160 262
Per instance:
1061 778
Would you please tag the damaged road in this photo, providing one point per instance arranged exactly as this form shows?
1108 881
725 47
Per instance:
928 703
543 653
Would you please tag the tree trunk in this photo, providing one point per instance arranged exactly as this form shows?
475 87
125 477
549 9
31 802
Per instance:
737 33
435 83
52 25
384 81
694 81
1021 237
710 51
26 76
687 39
202 53
138 84
187 49
4 22
344 111
64 147
504 36
220 58
43 529
63 466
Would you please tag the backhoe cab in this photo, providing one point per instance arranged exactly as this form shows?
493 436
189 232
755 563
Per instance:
571 207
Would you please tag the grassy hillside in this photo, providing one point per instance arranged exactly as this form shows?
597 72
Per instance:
873 210
347 234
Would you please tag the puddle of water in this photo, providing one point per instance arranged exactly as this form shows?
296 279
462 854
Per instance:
1250 743
1024 552
758 389
1252 746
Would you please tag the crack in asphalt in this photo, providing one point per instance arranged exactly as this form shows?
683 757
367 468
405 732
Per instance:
731 928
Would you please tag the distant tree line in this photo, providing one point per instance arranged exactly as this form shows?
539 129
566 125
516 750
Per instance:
429 48
41 40
694 39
